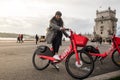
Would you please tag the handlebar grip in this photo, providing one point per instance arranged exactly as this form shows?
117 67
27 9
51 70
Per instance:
67 29
66 35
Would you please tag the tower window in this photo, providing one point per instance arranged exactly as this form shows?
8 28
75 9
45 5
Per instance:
113 27
101 28
101 22
101 32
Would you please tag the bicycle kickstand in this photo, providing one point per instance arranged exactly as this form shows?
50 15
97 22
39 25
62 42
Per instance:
101 60
55 66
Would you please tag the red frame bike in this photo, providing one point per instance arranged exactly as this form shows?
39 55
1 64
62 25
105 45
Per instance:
74 65
113 51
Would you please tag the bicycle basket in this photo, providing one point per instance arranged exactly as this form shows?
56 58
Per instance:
117 40
80 40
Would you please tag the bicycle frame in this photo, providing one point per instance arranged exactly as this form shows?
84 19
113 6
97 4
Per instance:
72 48
110 51
44 55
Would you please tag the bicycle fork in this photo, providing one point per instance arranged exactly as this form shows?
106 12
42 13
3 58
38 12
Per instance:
77 56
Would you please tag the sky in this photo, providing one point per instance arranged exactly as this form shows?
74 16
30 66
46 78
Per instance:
32 16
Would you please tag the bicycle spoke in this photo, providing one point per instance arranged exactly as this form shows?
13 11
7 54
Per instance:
116 58
40 63
82 70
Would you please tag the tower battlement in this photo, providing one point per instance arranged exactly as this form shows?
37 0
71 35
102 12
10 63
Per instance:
105 23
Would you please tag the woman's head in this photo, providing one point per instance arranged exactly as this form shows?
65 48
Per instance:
58 15
57 18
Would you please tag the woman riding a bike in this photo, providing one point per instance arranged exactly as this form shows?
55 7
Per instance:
56 25
79 64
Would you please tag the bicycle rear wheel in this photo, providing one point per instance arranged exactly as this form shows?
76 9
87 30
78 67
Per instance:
39 63
83 59
82 70
91 49
116 58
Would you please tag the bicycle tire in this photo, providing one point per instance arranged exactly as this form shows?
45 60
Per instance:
69 65
93 57
42 64
91 49
116 58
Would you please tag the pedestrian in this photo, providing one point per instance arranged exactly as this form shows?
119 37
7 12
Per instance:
36 38
21 38
54 35
109 41
18 39
100 40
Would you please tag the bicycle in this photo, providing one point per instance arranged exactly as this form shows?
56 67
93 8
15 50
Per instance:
74 65
114 51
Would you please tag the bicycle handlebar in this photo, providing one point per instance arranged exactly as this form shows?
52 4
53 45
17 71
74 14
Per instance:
67 29
64 32
66 35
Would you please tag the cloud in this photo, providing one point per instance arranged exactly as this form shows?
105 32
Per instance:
32 25
79 25
32 16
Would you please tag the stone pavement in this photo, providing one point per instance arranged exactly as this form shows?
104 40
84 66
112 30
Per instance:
16 64
105 76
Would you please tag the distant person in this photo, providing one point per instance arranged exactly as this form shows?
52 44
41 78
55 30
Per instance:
109 41
18 39
36 38
21 38
63 39
100 40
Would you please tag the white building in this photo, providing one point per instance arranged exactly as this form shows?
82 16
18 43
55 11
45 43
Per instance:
105 23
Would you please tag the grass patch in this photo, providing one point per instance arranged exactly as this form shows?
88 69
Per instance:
116 78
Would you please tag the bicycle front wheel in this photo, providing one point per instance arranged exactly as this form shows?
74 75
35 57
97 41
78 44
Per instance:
116 58
39 63
82 70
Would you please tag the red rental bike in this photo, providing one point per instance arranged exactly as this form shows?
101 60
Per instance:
75 66
114 51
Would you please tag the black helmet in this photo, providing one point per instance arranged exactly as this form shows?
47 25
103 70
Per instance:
58 13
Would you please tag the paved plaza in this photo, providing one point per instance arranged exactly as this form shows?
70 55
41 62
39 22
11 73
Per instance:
16 63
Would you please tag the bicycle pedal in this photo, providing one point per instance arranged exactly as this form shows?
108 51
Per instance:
100 58
101 62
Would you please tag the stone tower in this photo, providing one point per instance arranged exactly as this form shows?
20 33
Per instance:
105 23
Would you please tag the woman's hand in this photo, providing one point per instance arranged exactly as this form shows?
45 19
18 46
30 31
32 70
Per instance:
62 28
